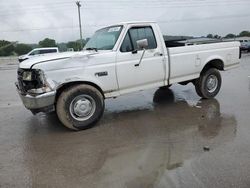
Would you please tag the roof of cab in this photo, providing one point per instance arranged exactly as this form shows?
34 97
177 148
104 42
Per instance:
133 22
46 48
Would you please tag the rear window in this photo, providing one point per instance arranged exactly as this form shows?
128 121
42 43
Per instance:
48 51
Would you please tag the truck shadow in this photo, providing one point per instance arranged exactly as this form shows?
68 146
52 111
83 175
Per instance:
141 144
164 111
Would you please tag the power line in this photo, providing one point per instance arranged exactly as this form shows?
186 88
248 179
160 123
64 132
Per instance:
102 25
207 18
35 4
39 29
64 6
30 10
127 3
67 8
166 6
119 5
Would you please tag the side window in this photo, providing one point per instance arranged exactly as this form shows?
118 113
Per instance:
127 45
47 51
138 33
151 38
32 53
36 52
43 51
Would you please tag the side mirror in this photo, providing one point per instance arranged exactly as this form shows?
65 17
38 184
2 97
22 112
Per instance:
142 44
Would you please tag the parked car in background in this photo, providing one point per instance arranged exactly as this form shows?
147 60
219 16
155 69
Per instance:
245 45
38 52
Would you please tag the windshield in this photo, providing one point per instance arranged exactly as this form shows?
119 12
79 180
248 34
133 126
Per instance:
104 39
34 52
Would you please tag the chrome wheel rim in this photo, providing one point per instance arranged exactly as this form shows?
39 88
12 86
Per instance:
82 107
212 83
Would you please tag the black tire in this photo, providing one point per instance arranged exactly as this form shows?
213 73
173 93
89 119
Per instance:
165 87
203 85
77 100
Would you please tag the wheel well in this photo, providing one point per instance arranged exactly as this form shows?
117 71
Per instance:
216 63
67 85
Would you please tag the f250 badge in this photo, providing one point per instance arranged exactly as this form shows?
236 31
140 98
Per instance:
101 74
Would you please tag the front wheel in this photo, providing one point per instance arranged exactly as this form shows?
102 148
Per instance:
209 83
80 107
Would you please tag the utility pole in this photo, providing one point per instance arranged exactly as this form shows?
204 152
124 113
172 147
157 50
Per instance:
78 3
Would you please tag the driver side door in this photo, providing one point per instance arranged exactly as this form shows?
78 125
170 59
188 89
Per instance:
150 73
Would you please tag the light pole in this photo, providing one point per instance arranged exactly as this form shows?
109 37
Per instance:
78 3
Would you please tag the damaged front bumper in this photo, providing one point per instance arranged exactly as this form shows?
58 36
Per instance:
38 103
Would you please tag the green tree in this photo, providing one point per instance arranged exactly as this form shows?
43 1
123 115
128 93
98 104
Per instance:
217 36
21 49
244 34
47 43
83 42
210 36
75 45
6 48
62 46
230 35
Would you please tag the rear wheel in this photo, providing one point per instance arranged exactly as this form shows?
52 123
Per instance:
80 107
209 84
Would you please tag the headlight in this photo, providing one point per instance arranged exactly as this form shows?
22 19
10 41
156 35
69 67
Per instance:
27 76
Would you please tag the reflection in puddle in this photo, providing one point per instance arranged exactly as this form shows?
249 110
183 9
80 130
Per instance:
168 133
140 141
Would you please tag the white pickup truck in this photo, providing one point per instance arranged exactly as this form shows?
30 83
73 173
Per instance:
38 52
119 59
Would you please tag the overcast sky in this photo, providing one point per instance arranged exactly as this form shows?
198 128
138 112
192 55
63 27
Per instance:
33 20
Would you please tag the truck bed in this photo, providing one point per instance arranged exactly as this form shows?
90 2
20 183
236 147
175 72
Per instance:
184 42
186 62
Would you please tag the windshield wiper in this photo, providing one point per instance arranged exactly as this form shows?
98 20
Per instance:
92 49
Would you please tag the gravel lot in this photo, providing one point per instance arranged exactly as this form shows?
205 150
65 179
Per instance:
154 138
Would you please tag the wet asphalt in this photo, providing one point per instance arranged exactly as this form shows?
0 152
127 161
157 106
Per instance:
156 138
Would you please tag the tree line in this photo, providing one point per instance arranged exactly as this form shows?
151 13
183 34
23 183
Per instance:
230 35
8 48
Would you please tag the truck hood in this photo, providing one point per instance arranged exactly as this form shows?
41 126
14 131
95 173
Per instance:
55 59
